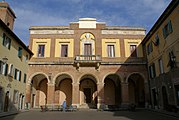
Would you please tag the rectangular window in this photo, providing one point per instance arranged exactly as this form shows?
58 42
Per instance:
167 29
26 58
41 51
152 71
157 40
161 66
6 41
25 77
17 75
20 52
133 50
15 97
64 50
10 73
3 68
149 48
111 51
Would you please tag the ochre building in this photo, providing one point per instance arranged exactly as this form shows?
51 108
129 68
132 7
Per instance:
14 57
162 53
88 64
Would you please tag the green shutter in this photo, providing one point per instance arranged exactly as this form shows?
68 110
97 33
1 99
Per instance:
164 33
4 38
9 44
20 52
170 27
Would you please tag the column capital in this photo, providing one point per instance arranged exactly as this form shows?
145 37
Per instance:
100 83
75 83
50 84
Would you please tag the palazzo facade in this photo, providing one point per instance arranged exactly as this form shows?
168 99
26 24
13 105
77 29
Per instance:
88 64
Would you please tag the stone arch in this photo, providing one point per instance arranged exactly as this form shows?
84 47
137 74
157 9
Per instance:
136 88
112 73
112 89
37 73
63 73
95 78
63 88
142 75
88 91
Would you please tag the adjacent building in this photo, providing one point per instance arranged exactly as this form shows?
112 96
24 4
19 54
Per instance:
161 46
14 57
88 64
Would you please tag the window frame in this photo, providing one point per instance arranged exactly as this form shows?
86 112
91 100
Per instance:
64 50
111 50
6 41
40 51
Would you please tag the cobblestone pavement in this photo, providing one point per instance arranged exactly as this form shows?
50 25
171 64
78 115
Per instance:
90 115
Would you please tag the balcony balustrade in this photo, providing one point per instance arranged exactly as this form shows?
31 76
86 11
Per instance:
88 58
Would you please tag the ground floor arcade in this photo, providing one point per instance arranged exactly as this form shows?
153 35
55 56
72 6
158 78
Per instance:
87 89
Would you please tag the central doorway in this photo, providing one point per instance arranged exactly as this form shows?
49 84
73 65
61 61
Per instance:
87 93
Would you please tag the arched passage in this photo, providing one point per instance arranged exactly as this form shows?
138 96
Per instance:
136 89
63 89
112 90
39 90
88 92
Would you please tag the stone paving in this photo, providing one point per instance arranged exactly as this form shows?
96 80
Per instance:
90 115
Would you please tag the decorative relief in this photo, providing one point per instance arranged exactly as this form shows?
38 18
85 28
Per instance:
122 32
52 32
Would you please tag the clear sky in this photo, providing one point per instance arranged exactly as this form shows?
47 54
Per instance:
142 13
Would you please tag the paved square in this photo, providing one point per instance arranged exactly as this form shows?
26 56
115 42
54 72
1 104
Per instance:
90 115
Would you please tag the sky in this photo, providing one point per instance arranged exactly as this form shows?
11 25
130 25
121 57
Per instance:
140 13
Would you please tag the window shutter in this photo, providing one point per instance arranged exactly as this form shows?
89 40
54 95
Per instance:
6 72
19 75
15 74
170 27
1 67
4 38
164 33
20 52
9 44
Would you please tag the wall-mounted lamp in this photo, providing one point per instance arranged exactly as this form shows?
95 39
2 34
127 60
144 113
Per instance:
5 59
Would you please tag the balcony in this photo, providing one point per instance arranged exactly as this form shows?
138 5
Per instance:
87 58
88 61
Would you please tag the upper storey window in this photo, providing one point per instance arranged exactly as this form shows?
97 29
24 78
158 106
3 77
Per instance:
149 48
133 50
167 29
111 50
64 50
87 44
6 41
41 51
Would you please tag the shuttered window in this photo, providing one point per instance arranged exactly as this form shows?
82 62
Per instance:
167 29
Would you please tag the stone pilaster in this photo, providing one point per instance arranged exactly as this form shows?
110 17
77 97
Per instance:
75 94
100 87
125 93
50 93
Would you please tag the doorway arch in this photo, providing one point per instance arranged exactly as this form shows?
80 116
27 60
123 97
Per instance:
88 91
112 90
136 89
